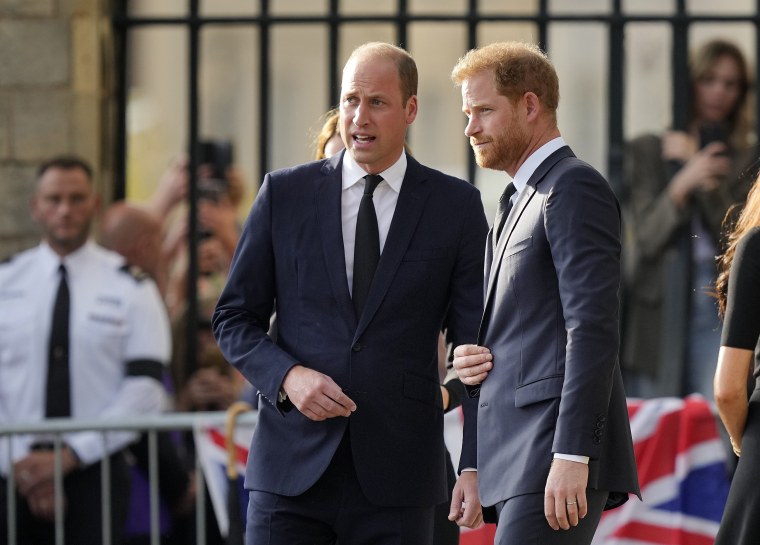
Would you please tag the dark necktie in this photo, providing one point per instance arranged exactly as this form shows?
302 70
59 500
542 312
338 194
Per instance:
366 244
502 212
58 391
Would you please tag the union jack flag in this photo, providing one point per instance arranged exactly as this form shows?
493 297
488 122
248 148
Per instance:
682 472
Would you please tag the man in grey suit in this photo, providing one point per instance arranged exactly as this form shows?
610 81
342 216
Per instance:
547 441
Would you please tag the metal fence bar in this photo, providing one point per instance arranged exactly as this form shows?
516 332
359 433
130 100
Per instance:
10 492
105 493
58 491
152 425
153 480
200 505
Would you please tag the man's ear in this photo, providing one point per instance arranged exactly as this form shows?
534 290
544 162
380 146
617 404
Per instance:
411 109
532 105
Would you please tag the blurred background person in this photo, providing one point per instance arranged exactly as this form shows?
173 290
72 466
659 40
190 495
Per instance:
678 187
83 335
738 289
328 142
136 234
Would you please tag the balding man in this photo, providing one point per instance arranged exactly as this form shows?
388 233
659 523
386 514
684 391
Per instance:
365 255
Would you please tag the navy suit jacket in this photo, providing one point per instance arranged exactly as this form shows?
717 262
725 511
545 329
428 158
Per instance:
290 258
551 323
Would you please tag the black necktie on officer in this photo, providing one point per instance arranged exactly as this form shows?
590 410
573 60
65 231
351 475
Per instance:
366 244
58 390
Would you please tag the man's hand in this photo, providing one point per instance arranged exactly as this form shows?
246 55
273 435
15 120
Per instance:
41 501
35 479
472 363
37 468
316 395
465 503
565 495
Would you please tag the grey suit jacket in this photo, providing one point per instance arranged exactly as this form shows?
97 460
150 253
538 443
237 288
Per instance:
551 322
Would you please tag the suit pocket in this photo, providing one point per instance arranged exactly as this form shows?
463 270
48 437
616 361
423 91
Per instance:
519 246
422 389
540 390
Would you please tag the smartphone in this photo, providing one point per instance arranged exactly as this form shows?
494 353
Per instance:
712 132
217 154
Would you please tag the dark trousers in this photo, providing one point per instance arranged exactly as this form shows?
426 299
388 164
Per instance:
522 522
335 510
82 517
740 524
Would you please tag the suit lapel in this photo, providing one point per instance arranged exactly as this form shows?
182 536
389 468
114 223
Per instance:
329 218
522 202
411 202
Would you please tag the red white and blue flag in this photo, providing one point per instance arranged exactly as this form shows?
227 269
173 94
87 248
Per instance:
211 450
682 472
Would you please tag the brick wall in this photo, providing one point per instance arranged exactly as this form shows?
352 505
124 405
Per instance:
53 97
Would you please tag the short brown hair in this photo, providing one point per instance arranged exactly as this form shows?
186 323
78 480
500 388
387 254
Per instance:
65 162
518 68
405 65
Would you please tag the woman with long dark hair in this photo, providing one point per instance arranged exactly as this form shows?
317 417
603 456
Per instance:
738 371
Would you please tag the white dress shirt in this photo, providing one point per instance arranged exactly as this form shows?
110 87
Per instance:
385 198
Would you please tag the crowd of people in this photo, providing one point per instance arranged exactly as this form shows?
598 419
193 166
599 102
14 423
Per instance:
353 310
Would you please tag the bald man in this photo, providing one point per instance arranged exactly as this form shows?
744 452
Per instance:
136 234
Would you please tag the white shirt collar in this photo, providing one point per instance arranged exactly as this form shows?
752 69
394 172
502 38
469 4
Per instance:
73 262
393 175
530 165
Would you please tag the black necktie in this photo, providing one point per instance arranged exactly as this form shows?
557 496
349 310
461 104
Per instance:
366 244
58 391
505 206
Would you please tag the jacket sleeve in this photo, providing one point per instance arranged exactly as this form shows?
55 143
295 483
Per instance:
242 315
582 224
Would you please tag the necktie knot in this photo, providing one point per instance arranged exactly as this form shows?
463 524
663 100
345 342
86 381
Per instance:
371 182
506 196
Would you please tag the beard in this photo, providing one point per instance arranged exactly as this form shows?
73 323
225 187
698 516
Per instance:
505 149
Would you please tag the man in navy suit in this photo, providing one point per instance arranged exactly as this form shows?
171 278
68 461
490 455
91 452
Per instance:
553 446
349 441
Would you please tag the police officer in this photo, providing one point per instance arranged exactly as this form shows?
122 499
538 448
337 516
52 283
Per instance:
82 335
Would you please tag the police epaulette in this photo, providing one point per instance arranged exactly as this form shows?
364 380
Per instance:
134 271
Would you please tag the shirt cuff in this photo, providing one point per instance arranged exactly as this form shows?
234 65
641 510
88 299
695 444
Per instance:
469 469
572 457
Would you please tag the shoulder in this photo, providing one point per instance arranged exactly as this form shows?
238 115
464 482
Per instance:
445 183
749 243
134 272
573 172
113 264
649 141
299 173
18 262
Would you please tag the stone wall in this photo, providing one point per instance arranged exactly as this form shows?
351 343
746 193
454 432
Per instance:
52 99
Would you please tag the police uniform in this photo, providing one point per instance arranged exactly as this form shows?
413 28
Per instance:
119 344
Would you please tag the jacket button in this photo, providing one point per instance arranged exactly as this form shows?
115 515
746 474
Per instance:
357 347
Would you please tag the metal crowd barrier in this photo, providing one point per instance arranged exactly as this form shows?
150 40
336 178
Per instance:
150 425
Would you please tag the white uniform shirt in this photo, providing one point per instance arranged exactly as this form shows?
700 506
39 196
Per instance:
116 317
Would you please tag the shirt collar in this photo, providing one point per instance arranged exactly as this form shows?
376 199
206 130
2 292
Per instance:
74 261
393 175
530 165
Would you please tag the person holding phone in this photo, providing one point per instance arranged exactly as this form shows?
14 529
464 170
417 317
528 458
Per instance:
678 188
